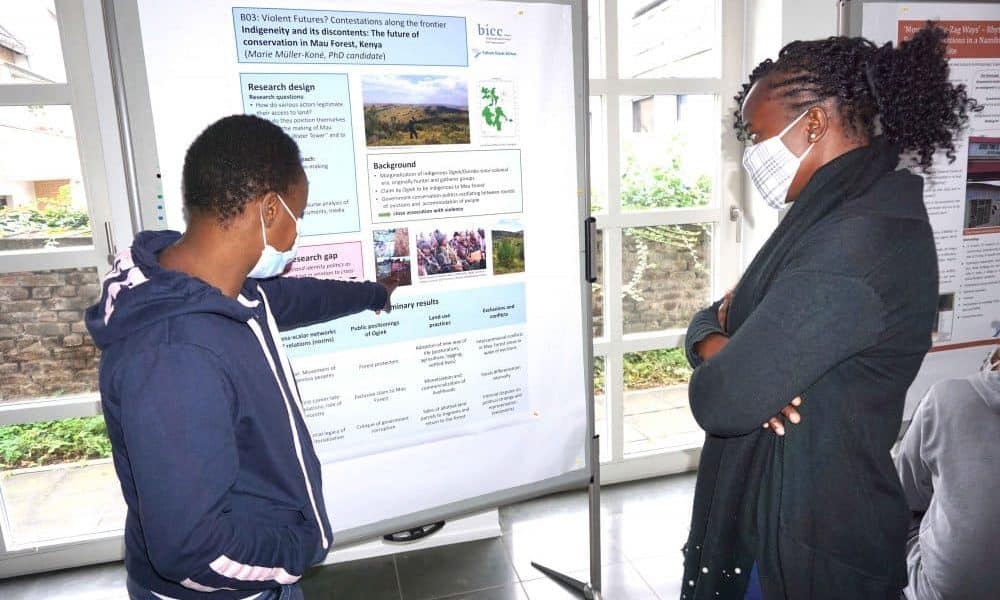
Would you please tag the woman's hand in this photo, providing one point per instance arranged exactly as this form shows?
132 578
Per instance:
710 346
776 423
723 314
714 343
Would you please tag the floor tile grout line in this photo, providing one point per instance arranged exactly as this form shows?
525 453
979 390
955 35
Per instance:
643 578
509 563
399 581
510 560
485 589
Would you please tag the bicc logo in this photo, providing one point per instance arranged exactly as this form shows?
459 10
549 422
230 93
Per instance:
490 31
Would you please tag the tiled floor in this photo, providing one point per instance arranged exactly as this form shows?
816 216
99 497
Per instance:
643 528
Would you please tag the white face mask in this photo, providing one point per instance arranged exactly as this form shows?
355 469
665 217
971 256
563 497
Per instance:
271 262
772 166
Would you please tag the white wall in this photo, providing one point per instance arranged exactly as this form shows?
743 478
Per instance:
22 192
770 25
808 19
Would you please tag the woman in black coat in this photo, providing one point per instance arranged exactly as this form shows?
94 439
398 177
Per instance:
826 329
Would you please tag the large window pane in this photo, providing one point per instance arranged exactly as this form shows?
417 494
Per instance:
657 415
669 38
45 350
666 275
57 482
30 51
669 151
42 200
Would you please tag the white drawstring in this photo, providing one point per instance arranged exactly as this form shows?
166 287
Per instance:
255 327
282 356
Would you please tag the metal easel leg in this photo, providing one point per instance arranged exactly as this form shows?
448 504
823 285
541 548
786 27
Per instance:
591 590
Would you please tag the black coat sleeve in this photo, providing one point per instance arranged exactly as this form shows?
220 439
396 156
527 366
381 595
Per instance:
806 324
704 323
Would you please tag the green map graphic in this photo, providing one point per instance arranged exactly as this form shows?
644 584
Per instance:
493 113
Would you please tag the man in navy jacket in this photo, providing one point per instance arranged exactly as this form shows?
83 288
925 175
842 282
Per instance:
216 464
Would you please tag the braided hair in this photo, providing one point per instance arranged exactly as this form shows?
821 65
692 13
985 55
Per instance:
904 92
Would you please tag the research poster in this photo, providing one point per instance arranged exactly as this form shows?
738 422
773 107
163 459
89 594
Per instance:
439 139
962 197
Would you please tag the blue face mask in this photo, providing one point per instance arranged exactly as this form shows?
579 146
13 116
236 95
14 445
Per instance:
272 262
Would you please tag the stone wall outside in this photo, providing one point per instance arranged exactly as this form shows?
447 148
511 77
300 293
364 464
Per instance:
44 346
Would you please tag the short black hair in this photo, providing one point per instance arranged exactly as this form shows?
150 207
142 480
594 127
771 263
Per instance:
906 90
234 160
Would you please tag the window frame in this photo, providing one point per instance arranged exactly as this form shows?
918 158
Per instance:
726 239
80 45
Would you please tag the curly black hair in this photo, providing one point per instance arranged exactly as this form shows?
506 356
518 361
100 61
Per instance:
905 91
235 160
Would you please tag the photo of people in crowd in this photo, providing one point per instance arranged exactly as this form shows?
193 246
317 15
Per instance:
392 255
451 252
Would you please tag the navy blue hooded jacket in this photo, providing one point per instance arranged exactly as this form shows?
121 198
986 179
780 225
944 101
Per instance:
216 465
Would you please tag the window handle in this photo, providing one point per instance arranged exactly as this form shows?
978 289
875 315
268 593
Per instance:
112 248
590 242
736 216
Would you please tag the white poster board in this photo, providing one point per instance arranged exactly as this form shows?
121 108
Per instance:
962 198
444 142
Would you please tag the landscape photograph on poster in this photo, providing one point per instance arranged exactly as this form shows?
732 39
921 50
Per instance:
415 110
508 247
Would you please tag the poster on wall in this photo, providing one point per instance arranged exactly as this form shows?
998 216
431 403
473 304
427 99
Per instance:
962 197
439 140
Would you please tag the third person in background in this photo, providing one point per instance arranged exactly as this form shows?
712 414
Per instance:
949 463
